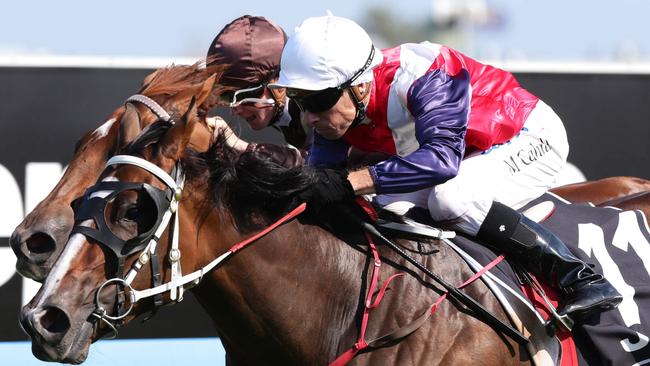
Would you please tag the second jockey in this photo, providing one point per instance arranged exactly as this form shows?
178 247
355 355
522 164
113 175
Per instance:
465 142
251 46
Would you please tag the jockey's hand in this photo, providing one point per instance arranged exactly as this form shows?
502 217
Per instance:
220 128
217 125
330 186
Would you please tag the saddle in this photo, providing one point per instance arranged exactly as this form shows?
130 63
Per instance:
528 309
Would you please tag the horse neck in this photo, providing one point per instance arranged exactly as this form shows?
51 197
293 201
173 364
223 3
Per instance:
296 296
287 296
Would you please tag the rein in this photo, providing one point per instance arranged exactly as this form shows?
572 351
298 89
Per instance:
370 231
176 286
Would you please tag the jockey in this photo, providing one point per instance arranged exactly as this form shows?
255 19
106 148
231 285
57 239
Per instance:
465 142
252 46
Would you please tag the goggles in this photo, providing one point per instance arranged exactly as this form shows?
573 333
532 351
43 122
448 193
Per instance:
318 101
151 200
322 100
252 95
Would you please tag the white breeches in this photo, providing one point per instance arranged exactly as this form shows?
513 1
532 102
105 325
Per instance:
513 173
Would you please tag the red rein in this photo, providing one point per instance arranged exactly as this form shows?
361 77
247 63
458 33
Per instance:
370 303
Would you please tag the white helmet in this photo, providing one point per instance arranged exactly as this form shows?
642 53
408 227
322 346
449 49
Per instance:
327 52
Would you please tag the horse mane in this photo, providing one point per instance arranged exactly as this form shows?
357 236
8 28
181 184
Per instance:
254 189
174 79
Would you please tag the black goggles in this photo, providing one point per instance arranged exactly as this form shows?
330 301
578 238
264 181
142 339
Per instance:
322 100
95 207
234 98
318 101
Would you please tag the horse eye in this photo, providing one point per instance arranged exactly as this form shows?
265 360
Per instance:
132 213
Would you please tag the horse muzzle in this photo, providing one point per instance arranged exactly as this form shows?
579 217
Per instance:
37 243
54 338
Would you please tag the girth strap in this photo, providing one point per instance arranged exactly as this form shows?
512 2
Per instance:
406 330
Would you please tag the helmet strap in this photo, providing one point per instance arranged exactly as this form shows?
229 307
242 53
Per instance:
357 97
279 95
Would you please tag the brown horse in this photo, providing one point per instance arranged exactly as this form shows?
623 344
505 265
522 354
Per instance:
40 237
626 193
38 240
295 297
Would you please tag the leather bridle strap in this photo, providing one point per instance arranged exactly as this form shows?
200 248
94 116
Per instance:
148 166
198 274
175 286
154 107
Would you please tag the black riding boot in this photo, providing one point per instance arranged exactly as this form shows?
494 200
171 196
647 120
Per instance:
583 291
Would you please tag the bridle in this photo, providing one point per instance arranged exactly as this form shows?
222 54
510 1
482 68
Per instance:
166 201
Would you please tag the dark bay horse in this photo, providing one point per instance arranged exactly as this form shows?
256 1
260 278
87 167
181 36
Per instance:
38 240
294 297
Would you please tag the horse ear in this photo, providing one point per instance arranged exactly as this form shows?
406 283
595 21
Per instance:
174 142
206 89
129 126
190 113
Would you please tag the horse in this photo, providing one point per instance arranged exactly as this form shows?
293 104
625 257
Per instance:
612 191
294 297
38 240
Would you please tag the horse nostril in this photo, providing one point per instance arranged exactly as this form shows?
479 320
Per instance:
54 320
39 243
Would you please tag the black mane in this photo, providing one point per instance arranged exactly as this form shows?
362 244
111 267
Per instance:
255 190
252 187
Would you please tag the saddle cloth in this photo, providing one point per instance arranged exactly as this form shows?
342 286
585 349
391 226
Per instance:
617 244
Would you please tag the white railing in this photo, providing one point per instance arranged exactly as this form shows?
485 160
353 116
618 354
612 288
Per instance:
92 61
555 67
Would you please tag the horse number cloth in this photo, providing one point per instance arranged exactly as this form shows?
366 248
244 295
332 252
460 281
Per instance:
617 244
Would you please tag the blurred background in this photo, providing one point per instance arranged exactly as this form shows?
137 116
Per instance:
65 65
579 30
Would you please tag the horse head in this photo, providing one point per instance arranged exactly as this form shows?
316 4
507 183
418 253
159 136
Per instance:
39 239
120 225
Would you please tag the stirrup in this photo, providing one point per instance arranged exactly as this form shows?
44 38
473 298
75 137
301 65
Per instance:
558 322
555 321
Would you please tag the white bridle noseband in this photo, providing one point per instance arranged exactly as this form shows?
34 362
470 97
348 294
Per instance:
178 282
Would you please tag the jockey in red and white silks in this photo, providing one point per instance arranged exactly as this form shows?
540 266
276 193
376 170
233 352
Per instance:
463 138
513 144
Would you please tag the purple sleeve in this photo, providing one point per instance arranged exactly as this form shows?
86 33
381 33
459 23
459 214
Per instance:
326 153
440 105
